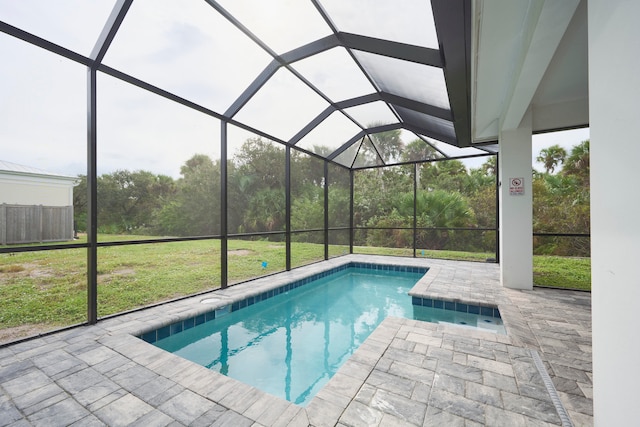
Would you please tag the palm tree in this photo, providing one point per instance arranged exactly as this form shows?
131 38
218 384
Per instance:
490 167
418 150
577 164
578 159
552 157
442 210
387 144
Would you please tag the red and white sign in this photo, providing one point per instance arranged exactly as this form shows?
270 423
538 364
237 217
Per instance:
516 186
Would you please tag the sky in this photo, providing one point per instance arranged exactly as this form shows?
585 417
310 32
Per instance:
184 48
566 139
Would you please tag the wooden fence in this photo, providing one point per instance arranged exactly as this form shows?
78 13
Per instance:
35 224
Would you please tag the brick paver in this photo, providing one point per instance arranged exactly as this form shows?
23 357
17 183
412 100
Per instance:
407 373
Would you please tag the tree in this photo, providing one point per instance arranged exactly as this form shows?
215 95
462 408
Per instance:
551 157
80 204
436 209
377 191
195 208
490 167
388 144
444 209
127 200
263 160
339 205
307 212
418 150
257 187
577 163
450 175
561 205
390 231
307 173
478 179
307 194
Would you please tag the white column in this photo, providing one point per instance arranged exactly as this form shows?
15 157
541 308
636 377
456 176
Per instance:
614 120
516 213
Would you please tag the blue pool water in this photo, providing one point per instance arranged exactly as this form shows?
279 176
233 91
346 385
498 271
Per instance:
291 344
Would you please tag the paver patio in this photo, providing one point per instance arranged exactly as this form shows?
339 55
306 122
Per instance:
407 373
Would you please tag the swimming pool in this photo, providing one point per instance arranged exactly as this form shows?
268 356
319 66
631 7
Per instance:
290 341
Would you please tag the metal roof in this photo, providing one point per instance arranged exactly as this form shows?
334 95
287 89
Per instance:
28 170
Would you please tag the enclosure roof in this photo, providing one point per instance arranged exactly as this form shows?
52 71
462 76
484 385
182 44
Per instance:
326 76
320 75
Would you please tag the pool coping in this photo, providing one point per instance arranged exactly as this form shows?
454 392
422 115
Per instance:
333 400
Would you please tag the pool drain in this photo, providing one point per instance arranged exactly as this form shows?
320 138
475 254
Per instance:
553 393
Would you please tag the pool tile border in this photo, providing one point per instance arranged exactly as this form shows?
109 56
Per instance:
182 325
462 307
165 331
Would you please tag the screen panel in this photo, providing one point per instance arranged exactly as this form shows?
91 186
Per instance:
307 192
188 49
158 165
73 24
133 276
410 80
307 248
298 21
250 257
410 21
282 107
43 147
255 183
336 74
41 291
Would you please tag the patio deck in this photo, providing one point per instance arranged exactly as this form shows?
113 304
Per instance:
407 373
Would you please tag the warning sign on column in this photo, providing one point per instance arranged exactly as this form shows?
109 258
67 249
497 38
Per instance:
516 186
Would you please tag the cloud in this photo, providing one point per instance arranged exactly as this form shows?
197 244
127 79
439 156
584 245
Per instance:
179 48
156 134
189 49
283 25
74 24
42 108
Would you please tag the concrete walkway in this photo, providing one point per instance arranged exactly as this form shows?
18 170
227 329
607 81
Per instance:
407 373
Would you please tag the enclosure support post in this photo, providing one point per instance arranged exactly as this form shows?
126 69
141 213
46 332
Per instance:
326 210
92 199
516 206
497 222
287 185
415 209
224 258
351 211
119 11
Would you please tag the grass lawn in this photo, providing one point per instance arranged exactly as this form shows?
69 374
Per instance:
550 271
453 255
41 291
562 272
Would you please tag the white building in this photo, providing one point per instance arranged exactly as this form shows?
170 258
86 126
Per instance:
35 205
